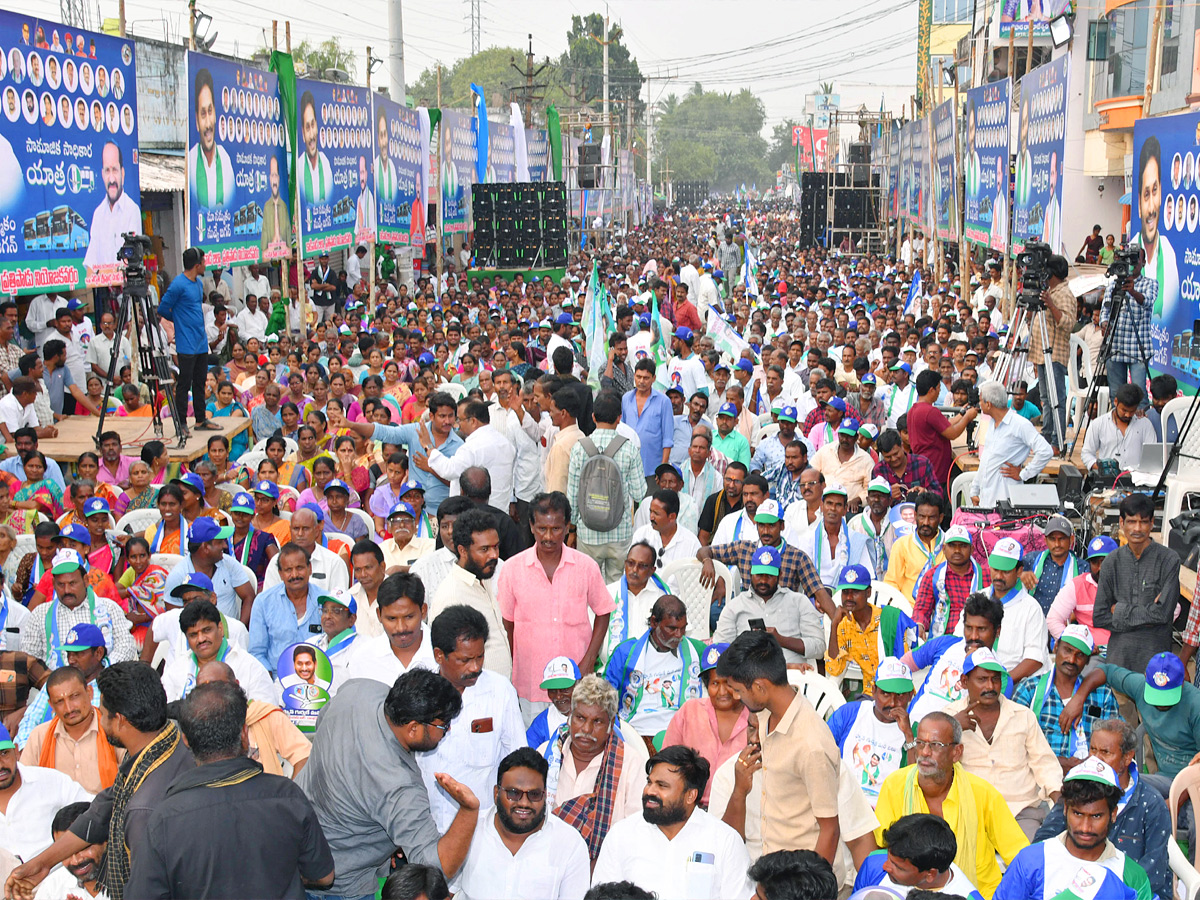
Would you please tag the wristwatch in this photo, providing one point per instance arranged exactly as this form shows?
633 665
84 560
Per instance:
909 746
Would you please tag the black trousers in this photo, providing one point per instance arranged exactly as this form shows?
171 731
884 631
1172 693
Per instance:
193 372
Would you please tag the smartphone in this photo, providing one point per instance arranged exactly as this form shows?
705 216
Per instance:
758 625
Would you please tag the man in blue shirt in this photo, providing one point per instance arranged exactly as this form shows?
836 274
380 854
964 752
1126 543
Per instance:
207 547
649 413
442 413
287 613
182 305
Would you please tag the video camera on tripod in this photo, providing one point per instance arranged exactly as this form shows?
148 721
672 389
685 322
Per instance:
1126 262
1034 261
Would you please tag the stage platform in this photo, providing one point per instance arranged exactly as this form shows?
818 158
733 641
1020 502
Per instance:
76 434
474 276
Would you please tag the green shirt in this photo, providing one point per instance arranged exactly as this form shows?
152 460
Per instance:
735 447
1174 732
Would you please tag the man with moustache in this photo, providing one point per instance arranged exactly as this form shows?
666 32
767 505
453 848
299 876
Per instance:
316 175
405 642
518 851
1160 267
277 222
79 875
212 171
488 728
386 184
364 216
116 214
674 846
29 797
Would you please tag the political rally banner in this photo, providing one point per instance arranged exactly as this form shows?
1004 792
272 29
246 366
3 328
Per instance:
397 175
1166 222
1018 16
985 161
810 141
945 174
458 169
502 154
1037 200
68 156
237 167
904 175
537 141
918 161
334 181
893 172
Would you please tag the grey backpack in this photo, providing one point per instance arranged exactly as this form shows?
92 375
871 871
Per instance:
601 499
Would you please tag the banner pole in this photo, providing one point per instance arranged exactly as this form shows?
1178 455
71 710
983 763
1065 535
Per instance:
371 243
294 189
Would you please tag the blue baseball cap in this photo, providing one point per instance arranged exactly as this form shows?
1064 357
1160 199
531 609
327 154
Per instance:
74 303
745 365
84 636
712 655
1100 547
848 426
315 510
788 414
243 503
868 379
190 480
95 506
336 484
410 486
266 488
195 581
1164 680
684 334
564 319
74 533
6 741
727 409
766 561
837 403
401 509
208 530
644 320
855 578
902 366
426 359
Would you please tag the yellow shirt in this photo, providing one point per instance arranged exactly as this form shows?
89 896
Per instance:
998 831
908 560
857 645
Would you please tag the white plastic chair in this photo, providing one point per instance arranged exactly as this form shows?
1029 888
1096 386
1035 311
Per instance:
683 576
251 459
366 520
232 488
1174 412
1187 885
960 490
26 544
819 690
1076 390
884 594
138 520
289 444
457 391
167 560
767 431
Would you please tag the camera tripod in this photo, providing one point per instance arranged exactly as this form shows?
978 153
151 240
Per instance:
1010 363
135 307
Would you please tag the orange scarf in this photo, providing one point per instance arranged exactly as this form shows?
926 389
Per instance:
105 755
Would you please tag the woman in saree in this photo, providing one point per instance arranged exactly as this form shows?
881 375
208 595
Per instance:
141 587
289 415
289 472
338 384
37 492
141 494
170 534
415 405
254 397
154 455
351 470
393 385
227 405
374 364
20 521
323 469
87 465
214 497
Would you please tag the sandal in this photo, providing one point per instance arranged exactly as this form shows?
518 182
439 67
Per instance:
207 426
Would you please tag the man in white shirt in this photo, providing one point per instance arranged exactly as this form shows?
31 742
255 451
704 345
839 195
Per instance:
483 446
488 728
518 851
328 569
1011 442
252 321
1021 647
256 282
16 408
354 262
686 369
201 624
116 215
1120 435
405 642
100 348
40 317
164 629
31 795
674 848
663 534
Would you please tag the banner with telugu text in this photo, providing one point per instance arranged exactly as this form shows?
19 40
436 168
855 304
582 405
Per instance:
945 176
1041 137
397 175
986 165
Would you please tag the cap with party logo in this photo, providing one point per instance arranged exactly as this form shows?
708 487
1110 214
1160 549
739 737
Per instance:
849 426
191 481
879 485
667 468
1100 547
77 533
401 509
242 502
195 581
1079 637
1058 525
868 430
787 414
341 598
981 658
65 561
711 656
266 488
767 512
1006 555
766 561
854 578
1093 769
1164 680
745 365
727 409
893 676
336 484
957 534
95 506
6 741
837 403
207 530
834 490
561 672
84 636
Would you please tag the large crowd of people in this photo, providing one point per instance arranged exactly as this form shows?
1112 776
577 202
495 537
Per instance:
468 604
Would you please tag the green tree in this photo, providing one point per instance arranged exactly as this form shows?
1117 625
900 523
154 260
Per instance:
714 137
321 58
582 66
782 150
491 69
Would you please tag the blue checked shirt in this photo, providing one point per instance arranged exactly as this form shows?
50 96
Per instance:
1131 341
768 459
1102 704
786 489
629 461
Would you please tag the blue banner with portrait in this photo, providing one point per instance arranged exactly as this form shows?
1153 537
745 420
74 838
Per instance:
68 156
945 176
458 169
905 180
502 154
986 165
333 167
1165 218
398 174
1041 134
237 167
537 146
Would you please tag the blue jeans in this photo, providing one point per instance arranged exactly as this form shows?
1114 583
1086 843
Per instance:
1120 371
1060 391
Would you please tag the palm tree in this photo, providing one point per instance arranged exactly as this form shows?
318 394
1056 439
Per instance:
826 87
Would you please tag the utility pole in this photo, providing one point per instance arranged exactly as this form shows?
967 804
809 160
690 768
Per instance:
192 25
396 51
607 124
476 25
528 95
437 245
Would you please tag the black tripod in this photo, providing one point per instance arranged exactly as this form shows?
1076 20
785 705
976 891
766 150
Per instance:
135 306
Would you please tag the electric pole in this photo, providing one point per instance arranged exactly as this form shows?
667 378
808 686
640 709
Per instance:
476 25
607 124
396 50
531 93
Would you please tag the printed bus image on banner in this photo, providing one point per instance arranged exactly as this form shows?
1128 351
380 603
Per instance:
502 154
1165 217
945 179
985 161
1042 129
537 144
399 189
333 169
458 169
236 164
68 156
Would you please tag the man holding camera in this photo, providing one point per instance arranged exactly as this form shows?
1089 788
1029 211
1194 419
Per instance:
1130 354
1061 315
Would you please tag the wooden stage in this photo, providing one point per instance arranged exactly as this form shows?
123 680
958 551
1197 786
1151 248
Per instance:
76 434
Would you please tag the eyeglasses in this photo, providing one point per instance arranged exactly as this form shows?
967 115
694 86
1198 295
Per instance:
535 796
444 729
935 746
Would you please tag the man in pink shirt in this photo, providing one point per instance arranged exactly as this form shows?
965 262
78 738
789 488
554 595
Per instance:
114 466
1075 601
544 594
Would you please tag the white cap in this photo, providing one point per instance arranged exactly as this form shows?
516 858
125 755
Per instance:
957 534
